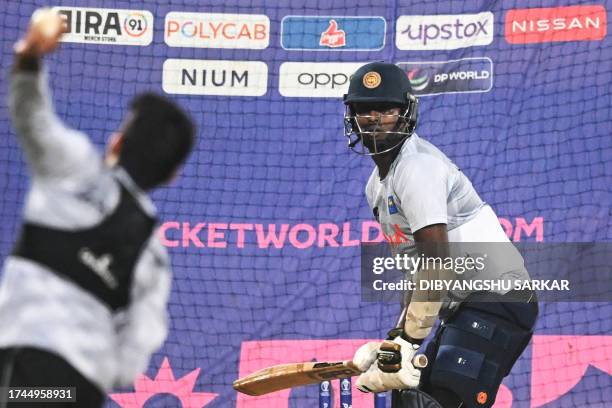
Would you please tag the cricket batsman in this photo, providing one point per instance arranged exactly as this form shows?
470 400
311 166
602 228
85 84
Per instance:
424 202
83 295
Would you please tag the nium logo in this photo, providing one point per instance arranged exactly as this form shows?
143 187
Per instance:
202 30
574 23
107 26
444 32
331 33
215 77
454 76
316 79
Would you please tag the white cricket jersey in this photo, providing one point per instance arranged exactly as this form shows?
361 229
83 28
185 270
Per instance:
72 189
424 187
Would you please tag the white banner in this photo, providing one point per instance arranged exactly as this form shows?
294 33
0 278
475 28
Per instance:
215 77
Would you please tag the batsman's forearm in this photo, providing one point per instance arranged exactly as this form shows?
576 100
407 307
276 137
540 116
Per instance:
424 307
420 319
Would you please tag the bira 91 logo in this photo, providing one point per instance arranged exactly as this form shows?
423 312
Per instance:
574 23
215 77
329 33
333 37
453 76
202 30
107 26
444 32
315 79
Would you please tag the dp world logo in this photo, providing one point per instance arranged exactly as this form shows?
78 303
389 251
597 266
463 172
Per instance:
419 78
453 76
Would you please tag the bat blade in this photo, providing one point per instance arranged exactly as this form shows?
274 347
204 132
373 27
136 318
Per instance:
285 376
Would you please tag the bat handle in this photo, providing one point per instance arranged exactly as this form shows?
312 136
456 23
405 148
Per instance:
420 361
390 358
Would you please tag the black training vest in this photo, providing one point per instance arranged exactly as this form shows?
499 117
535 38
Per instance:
99 259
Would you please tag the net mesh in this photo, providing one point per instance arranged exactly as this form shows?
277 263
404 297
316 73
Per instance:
264 224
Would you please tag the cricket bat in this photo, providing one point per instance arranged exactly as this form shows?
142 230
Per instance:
280 377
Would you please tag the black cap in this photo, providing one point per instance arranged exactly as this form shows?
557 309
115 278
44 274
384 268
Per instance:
378 82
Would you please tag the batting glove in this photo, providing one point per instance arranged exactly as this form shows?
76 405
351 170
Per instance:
393 369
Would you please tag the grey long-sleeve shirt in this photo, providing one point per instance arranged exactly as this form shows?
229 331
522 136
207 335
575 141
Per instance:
71 189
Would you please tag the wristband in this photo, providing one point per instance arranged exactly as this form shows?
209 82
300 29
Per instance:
398 331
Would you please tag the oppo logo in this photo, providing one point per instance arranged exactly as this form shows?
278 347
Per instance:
315 79
322 79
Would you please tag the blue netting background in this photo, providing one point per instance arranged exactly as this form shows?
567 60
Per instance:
536 146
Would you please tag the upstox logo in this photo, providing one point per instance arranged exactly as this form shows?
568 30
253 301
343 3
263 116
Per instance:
316 79
444 32
556 24
215 77
209 30
107 26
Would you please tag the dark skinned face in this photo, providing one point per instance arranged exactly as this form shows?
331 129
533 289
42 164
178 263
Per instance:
382 119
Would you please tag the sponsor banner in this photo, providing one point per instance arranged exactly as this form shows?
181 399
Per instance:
444 32
107 26
215 77
328 33
209 30
575 23
316 79
303 236
453 76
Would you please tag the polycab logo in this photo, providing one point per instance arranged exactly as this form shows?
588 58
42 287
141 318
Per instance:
316 79
327 33
332 37
206 30
537 25
444 32
107 26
